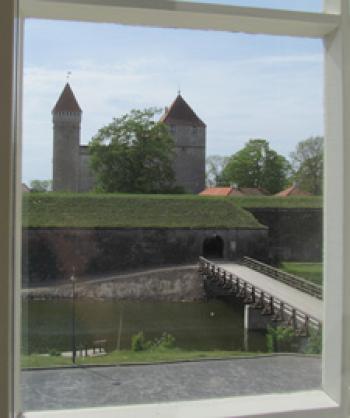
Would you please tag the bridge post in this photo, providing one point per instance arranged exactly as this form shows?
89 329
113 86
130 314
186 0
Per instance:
254 320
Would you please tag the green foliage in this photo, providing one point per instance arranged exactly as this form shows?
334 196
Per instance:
118 210
41 185
256 165
215 165
314 344
134 154
54 353
138 342
307 163
280 339
165 342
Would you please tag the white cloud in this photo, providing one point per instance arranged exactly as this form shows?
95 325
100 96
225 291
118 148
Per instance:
274 97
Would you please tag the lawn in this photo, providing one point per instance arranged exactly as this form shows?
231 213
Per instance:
129 211
131 357
292 202
309 271
150 211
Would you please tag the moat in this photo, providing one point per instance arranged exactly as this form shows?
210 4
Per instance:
195 325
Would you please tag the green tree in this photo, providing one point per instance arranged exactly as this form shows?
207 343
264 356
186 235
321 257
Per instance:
214 167
41 185
307 165
256 165
133 154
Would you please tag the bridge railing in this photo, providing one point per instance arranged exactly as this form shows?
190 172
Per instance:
287 278
232 284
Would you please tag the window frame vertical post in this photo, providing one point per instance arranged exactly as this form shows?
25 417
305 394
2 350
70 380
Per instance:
10 192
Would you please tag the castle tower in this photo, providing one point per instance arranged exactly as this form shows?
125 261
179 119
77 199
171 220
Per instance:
189 133
66 116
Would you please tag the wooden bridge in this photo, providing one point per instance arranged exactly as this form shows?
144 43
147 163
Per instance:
283 297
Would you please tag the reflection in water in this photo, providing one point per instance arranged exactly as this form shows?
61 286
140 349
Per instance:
195 326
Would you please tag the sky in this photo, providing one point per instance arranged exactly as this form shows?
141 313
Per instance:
241 86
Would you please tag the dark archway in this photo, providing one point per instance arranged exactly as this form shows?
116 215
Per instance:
213 247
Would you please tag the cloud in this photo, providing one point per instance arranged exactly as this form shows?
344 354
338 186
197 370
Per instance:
277 97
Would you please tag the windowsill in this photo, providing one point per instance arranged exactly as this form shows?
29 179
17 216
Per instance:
316 402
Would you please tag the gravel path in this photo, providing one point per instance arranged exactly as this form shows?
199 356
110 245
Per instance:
118 385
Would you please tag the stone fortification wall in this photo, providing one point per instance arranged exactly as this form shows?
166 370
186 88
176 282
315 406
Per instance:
50 254
86 176
165 284
295 234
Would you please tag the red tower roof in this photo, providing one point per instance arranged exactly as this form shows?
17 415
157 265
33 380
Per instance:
67 102
180 113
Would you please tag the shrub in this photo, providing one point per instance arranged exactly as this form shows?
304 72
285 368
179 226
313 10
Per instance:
314 344
54 353
138 342
280 339
166 341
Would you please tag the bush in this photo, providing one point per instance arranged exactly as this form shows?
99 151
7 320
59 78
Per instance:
139 343
314 344
166 341
280 339
54 353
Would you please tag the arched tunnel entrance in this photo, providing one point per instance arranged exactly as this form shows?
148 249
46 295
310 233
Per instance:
213 247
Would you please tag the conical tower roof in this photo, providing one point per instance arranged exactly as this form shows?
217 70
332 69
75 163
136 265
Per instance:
67 102
180 113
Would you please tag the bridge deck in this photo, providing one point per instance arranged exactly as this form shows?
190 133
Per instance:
300 300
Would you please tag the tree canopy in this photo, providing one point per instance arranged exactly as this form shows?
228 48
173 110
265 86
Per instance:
214 167
134 154
256 165
41 185
307 164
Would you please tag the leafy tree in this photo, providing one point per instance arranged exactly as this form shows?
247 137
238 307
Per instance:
256 165
41 185
134 154
307 164
214 167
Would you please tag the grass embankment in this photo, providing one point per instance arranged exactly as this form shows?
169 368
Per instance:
131 357
81 210
309 271
292 202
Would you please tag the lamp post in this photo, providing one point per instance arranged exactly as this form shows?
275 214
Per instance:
73 280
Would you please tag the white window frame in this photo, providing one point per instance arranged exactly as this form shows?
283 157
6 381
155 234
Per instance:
334 26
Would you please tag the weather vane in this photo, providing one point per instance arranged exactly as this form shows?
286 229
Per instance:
68 75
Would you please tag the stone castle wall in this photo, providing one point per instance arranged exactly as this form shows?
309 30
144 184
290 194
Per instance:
295 234
51 253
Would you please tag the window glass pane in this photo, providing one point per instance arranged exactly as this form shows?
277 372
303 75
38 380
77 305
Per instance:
114 226
298 5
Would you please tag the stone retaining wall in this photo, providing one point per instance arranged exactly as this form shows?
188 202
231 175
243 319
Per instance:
165 284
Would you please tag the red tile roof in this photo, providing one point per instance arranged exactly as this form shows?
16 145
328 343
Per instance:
233 191
216 191
293 191
66 102
180 113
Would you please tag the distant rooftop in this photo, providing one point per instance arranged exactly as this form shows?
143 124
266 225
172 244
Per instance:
233 191
180 113
67 102
293 191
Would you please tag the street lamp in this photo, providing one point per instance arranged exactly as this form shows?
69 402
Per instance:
73 280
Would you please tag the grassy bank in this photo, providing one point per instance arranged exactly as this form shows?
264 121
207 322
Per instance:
293 202
129 211
131 357
309 271
153 211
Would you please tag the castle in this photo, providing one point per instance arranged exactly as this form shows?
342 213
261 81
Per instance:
71 168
